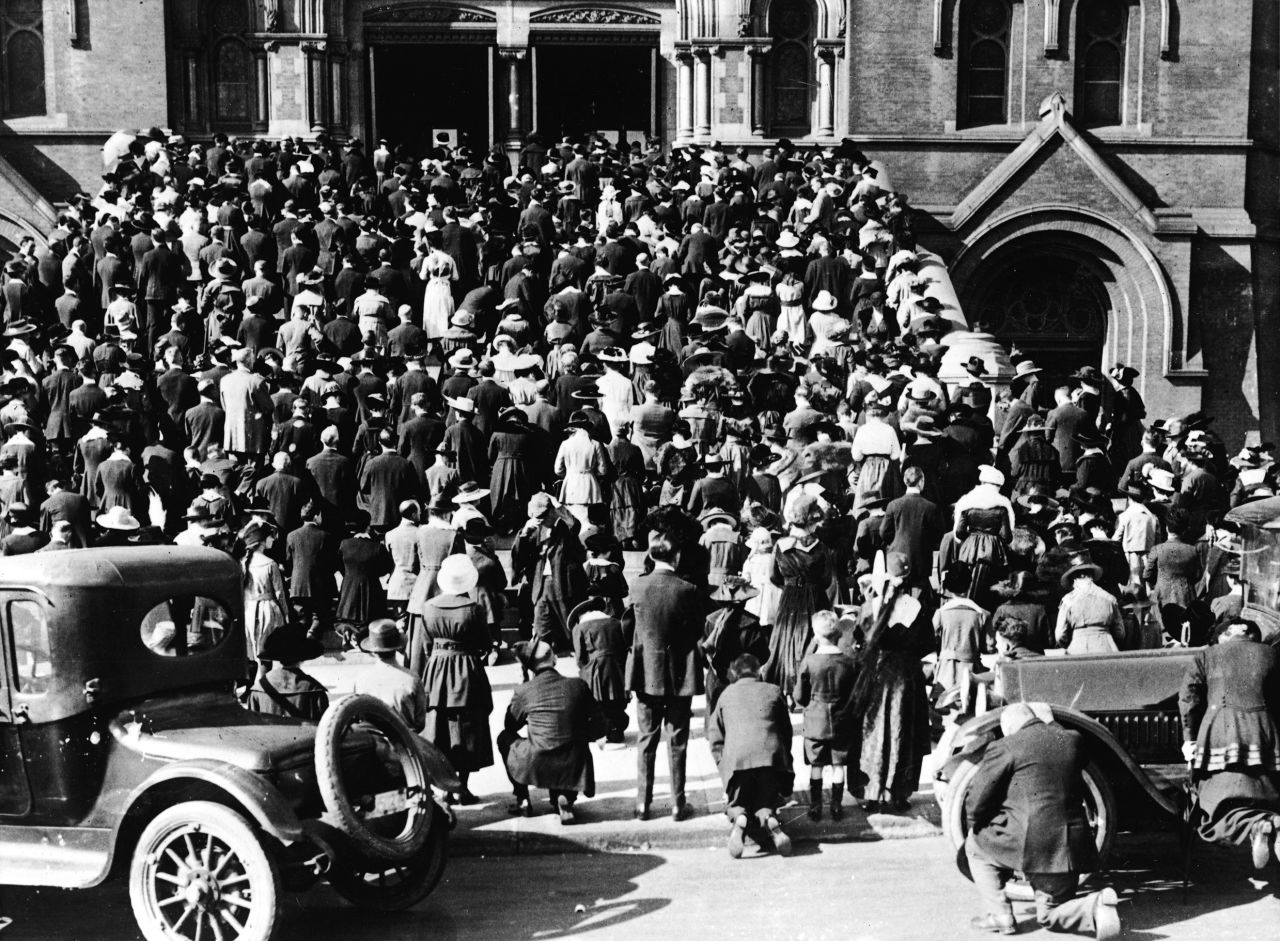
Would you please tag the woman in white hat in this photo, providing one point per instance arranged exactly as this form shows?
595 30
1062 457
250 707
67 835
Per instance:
447 652
984 521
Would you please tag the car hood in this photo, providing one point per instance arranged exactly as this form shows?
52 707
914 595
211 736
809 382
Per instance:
213 725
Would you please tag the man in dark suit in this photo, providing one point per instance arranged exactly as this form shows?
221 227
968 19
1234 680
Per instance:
662 624
562 718
1024 813
388 480
160 278
1061 426
203 423
335 479
490 399
698 253
913 525
283 493
749 732
420 435
311 553
65 505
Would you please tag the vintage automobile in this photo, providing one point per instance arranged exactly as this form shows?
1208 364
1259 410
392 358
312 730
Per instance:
126 753
1126 707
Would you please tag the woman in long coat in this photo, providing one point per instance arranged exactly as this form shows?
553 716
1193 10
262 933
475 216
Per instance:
247 406
437 540
1229 702
364 561
805 571
890 694
266 601
582 464
402 544
448 654
626 498
118 484
513 480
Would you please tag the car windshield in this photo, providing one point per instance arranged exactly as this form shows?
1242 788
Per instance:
1260 567
186 625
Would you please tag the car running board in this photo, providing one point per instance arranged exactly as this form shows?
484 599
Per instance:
65 857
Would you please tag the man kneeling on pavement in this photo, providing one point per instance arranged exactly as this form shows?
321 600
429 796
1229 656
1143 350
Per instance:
750 736
563 719
1024 812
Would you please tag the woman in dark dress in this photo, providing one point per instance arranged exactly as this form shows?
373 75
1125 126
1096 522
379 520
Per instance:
626 497
364 561
448 654
890 693
805 571
118 484
513 479
1229 702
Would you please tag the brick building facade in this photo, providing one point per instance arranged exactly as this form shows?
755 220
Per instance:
1100 174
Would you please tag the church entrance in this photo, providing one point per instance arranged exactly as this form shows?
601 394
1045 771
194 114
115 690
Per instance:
584 88
1053 306
420 90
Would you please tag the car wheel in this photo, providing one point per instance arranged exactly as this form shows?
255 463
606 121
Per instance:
1099 809
394 886
200 871
387 818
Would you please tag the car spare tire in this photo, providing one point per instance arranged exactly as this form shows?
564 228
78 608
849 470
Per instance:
378 792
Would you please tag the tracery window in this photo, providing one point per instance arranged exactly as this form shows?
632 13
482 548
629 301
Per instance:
984 62
230 65
22 58
1102 27
791 67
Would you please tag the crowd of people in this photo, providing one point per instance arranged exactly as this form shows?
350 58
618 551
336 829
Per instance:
365 375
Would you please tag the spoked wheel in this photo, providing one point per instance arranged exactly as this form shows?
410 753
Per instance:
200 873
393 886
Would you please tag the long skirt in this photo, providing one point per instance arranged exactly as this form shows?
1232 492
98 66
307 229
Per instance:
895 730
877 477
790 637
1232 801
437 307
626 506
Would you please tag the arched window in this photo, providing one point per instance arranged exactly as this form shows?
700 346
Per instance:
1101 30
231 71
984 62
22 51
791 67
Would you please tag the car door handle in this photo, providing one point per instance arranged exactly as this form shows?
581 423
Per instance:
21 714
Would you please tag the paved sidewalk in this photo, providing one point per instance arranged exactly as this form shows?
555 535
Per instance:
606 821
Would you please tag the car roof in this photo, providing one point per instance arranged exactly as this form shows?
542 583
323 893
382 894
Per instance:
133 567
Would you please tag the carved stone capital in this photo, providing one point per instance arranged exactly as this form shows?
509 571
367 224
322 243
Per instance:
513 53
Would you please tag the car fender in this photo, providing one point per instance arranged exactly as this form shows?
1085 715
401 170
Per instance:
974 736
253 793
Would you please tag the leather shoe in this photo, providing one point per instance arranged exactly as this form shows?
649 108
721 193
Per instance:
996 924
681 812
781 842
520 808
1106 920
1260 840
735 836
565 810
642 812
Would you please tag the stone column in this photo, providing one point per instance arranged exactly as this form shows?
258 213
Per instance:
317 86
684 97
826 91
513 56
702 95
758 56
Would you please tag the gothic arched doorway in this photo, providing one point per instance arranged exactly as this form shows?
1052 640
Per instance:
1052 305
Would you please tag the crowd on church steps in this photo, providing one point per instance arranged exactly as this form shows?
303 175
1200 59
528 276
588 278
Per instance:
365 374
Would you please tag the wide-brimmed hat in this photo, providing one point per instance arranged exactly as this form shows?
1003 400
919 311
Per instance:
713 515
612 354
469 492
1034 425
926 426
461 318
1025 367
578 419
825 301
1080 563
1092 499
384 636
788 239
287 645
734 590
466 406
1035 502
990 475
120 519
462 359
975 366
1089 438
1161 479
457 575
20 328
646 331
596 604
